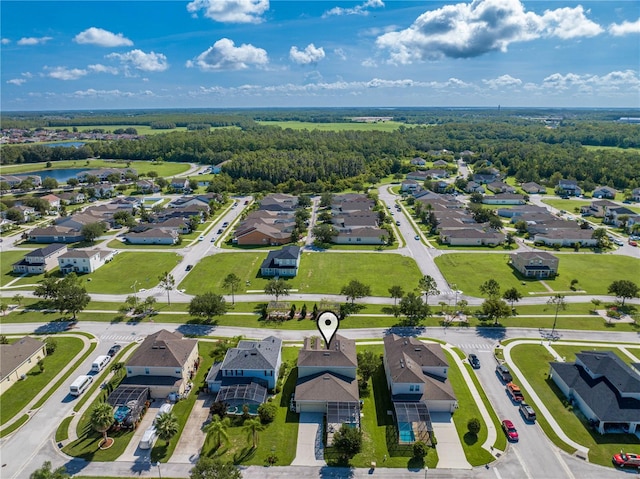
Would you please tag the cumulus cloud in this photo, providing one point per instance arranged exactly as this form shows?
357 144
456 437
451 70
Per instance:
64 73
612 81
148 62
231 11
5 41
16 81
224 55
362 9
502 82
310 54
102 38
34 40
339 52
99 68
624 28
466 30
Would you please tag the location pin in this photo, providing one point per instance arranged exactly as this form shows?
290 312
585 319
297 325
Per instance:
328 324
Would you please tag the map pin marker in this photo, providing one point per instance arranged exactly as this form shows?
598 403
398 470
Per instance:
328 324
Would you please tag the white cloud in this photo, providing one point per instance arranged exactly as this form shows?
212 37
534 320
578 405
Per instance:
148 62
34 40
357 10
502 82
231 11
369 63
90 92
466 30
64 73
17 81
224 55
5 41
99 68
612 81
102 38
339 52
624 28
310 54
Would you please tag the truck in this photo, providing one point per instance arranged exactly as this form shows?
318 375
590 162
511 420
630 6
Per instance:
514 392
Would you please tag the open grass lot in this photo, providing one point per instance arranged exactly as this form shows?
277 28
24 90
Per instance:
7 258
280 436
468 409
323 273
119 276
533 361
303 125
568 205
162 168
19 395
594 272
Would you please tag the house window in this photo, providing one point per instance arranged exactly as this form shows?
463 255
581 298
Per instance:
411 387
146 370
128 370
178 371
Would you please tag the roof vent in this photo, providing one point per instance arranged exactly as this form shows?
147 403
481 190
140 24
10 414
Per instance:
406 342
326 353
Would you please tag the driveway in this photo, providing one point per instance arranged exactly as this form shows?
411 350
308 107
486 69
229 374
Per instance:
133 452
451 455
192 437
310 450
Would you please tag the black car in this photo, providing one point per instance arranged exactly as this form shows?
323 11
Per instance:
189 267
220 231
114 349
504 373
474 361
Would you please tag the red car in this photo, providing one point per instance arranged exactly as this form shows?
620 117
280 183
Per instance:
626 459
510 430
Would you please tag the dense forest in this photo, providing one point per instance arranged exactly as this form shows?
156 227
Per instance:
273 157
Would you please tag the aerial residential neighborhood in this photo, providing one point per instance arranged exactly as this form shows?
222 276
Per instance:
157 326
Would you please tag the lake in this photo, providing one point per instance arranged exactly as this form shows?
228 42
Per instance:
61 176
65 144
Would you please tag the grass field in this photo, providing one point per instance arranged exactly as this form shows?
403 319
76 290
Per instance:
302 125
568 205
165 169
322 273
7 258
594 272
533 361
120 275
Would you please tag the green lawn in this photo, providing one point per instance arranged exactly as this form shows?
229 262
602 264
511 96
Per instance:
569 352
324 273
594 272
568 205
533 361
302 125
164 169
119 276
7 258
22 392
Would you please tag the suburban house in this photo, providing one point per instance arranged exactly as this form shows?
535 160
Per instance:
40 260
635 194
473 187
179 184
436 173
537 264
165 362
356 222
614 215
485 178
103 174
327 382
246 374
55 234
152 236
504 199
417 379
27 213
470 236
605 192
15 180
597 208
440 164
147 186
79 220
84 260
283 262
418 175
603 387
417 161
53 200
516 212
568 188
265 227
18 358
71 197
279 202
410 185
500 187
532 188
566 237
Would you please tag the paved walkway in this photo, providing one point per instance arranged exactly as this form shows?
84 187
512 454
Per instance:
310 450
193 436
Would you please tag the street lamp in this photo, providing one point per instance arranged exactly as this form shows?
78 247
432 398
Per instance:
135 291
426 469
158 465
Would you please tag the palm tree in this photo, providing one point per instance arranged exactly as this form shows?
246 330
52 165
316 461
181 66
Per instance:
167 282
218 430
396 292
252 427
231 281
428 286
102 418
47 472
18 298
166 426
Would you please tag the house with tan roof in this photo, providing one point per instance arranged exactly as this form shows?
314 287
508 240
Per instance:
165 362
18 358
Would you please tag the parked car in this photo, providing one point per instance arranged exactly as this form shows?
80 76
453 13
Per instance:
474 361
114 349
201 238
626 459
397 223
510 430
504 373
213 238
417 237
220 231
633 243
225 224
189 267
515 392
527 412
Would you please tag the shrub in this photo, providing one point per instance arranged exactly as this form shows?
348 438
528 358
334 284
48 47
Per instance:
420 449
267 412
474 425
50 345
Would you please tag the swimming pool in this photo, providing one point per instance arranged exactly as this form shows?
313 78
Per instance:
405 433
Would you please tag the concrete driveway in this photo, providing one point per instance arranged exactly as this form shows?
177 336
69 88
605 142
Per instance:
310 450
193 436
450 452
133 452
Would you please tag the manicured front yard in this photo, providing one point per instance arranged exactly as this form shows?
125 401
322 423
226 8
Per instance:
7 258
568 205
594 272
533 360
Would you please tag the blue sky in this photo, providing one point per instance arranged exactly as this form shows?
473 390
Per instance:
268 53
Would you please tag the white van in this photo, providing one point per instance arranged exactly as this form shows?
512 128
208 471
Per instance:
99 363
164 409
148 438
80 384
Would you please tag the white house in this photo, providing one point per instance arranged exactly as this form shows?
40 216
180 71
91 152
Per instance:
84 260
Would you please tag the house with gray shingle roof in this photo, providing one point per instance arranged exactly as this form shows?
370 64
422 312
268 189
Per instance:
40 260
603 387
18 358
284 262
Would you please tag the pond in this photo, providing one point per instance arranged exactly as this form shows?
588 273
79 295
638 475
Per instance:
64 144
61 176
